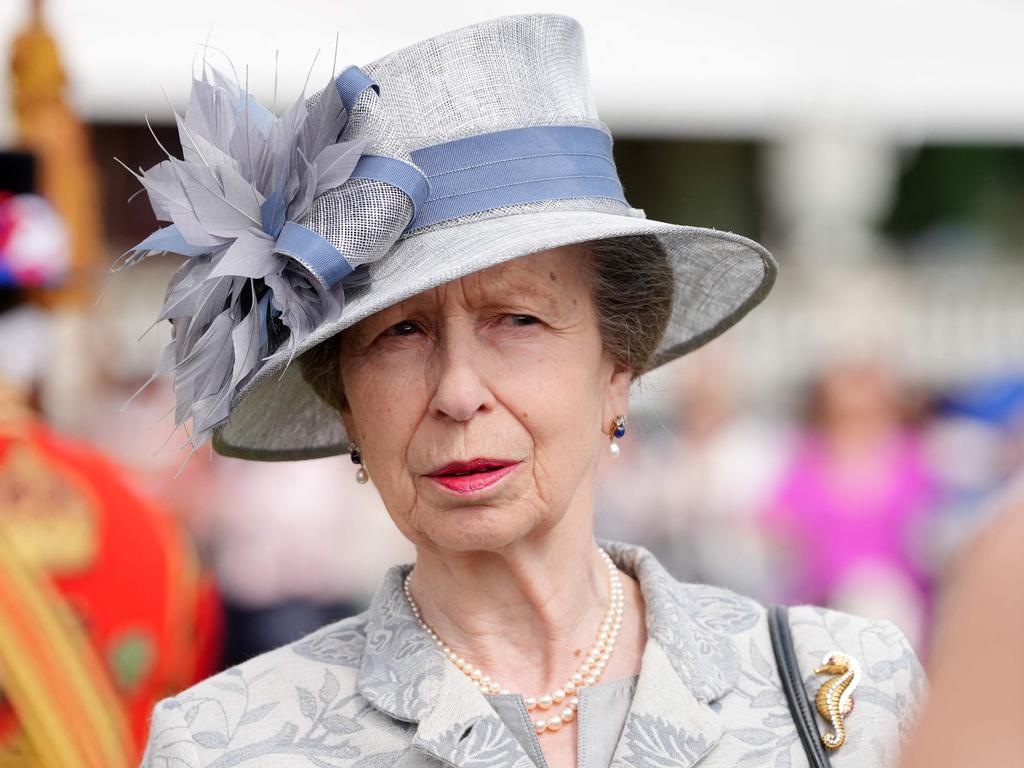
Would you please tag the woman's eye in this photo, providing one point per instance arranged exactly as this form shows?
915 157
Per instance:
404 328
523 319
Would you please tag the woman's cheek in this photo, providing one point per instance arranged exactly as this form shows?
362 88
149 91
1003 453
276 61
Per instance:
532 365
380 378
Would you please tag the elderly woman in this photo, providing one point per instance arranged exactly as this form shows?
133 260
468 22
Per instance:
482 298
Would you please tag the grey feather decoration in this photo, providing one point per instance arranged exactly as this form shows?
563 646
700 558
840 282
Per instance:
235 301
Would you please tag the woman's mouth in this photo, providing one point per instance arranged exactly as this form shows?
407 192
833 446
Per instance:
471 476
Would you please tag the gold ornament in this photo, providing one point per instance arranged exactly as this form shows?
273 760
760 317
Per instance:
834 701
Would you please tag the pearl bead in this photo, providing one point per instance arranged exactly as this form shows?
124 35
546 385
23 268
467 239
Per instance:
476 674
569 687
577 678
590 680
540 725
574 701
558 696
568 714
613 449
555 724
531 702
585 670
545 702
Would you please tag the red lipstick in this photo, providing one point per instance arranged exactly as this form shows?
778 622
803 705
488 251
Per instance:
466 477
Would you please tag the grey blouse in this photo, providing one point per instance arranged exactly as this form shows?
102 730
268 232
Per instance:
599 722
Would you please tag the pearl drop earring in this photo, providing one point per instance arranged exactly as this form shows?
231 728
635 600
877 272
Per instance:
362 475
617 430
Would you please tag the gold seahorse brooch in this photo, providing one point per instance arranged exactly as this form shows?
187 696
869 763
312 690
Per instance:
835 697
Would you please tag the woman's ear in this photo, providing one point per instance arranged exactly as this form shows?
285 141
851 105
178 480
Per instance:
345 413
617 400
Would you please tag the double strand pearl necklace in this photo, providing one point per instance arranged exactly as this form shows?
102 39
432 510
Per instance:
587 674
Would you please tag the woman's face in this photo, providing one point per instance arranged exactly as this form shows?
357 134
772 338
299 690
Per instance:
504 368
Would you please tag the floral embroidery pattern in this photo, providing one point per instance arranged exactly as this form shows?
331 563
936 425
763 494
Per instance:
654 741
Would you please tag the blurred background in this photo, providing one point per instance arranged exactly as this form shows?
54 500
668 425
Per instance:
842 445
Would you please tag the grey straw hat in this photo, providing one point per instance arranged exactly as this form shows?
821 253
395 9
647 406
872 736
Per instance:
477 146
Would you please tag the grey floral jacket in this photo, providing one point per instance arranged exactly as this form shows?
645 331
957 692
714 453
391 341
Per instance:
373 691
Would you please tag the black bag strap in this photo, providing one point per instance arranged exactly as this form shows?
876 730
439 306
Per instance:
793 687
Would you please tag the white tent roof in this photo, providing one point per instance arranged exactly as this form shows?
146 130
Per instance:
914 68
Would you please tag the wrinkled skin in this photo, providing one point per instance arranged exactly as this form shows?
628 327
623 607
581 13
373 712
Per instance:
504 363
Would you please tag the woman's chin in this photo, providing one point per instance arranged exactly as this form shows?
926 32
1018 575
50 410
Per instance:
471 529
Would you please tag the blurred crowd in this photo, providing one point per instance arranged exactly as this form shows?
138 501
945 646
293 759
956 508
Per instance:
859 496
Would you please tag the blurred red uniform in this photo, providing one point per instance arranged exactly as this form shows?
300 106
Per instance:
143 622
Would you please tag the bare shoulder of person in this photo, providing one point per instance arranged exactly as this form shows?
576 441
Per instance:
974 710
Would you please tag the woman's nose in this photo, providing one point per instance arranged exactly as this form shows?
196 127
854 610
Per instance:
461 390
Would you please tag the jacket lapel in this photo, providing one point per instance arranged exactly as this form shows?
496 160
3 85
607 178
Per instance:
462 729
404 675
690 661
667 725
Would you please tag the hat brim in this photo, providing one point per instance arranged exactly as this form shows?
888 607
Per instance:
720 276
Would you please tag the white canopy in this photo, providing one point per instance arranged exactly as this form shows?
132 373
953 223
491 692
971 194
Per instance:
908 69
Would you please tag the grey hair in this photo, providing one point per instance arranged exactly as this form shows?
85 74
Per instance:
632 285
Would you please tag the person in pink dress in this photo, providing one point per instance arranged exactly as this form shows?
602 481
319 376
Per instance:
849 511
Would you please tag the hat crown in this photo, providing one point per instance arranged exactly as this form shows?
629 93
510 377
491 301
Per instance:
514 90
510 72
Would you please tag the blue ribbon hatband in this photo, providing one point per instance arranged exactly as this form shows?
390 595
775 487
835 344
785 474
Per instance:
520 165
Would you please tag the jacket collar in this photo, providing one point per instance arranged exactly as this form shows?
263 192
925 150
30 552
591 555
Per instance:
690 660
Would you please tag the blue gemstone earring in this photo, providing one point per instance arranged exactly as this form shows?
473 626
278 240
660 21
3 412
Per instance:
362 475
617 430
